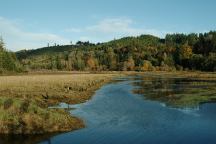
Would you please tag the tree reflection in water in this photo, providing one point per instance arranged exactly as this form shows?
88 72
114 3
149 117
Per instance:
176 92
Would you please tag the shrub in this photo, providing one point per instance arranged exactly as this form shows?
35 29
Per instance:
24 106
8 103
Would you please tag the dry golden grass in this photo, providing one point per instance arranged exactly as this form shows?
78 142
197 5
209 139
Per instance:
67 87
41 82
24 101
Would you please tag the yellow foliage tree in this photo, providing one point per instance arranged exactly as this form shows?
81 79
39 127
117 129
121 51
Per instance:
91 63
146 66
130 64
186 51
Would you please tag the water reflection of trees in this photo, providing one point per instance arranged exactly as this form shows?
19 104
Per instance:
172 90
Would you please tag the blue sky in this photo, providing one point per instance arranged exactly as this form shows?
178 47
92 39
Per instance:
27 24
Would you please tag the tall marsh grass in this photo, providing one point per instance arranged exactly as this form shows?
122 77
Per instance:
24 101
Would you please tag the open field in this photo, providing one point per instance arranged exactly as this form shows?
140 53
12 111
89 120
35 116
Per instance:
24 101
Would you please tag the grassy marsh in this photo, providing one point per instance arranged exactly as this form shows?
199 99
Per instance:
24 101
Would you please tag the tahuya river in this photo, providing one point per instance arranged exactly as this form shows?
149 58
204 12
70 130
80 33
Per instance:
116 115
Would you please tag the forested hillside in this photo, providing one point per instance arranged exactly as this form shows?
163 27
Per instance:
8 60
143 53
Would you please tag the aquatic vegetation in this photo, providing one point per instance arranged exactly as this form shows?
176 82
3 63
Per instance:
180 91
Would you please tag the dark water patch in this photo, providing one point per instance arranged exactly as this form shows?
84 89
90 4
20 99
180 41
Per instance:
25 139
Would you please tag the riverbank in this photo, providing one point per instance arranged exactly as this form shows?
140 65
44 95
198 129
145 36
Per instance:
24 101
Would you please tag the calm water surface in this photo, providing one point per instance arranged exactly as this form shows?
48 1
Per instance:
115 115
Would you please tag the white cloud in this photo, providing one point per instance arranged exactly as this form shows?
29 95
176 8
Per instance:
110 28
75 30
117 25
17 39
107 29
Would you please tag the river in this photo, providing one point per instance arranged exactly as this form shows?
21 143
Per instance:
116 115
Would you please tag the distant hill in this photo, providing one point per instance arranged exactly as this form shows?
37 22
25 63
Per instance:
142 53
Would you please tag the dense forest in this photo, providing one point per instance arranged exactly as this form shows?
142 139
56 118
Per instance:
8 60
142 53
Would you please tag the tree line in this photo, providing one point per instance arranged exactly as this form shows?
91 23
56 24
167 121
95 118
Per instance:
143 53
8 60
